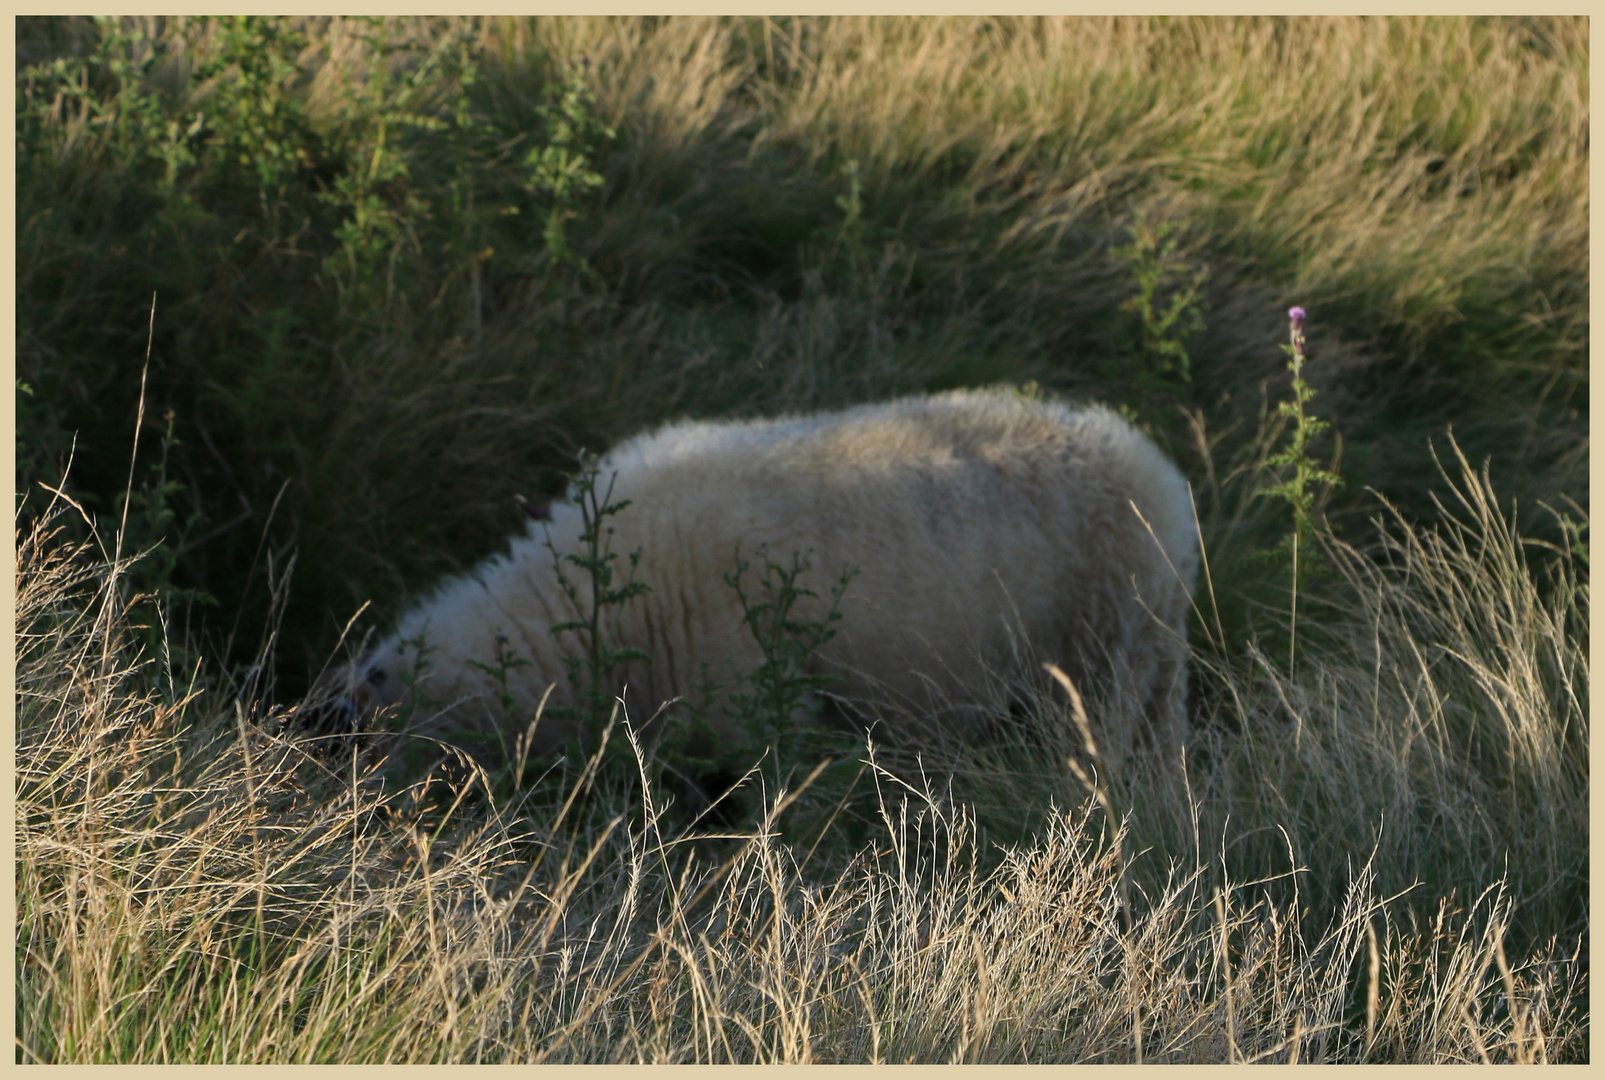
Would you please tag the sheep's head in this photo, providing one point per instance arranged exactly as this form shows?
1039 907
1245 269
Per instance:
343 703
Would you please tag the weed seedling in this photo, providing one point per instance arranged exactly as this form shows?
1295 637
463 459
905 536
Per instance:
505 662
779 689
560 170
591 673
1165 322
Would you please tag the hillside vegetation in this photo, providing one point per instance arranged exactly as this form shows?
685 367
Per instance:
304 303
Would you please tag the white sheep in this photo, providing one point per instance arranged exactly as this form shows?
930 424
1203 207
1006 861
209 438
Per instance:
978 522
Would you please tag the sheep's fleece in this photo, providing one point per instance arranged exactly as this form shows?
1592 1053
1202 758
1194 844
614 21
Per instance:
988 531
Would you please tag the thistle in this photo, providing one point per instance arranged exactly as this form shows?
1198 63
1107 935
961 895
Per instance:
1299 489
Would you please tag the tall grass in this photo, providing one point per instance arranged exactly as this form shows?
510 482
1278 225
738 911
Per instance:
1439 717
367 344
390 296
194 885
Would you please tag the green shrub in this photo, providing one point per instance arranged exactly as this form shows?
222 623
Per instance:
295 200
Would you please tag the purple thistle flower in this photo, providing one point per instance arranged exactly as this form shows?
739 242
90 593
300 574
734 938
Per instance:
1296 315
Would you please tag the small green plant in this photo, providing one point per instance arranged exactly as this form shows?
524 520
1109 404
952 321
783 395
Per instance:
850 238
410 674
597 604
504 663
416 755
560 170
155 532
779 689
253 125
1031 390
380 200
512 718
1307 478
1168 308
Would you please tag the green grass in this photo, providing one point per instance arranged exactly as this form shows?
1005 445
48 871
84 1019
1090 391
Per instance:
367 346
404 270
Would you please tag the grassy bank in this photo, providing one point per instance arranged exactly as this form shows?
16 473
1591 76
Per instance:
405 270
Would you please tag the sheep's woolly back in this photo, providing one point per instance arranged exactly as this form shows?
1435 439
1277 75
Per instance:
977 520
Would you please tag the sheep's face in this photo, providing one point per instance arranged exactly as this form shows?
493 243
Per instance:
344 701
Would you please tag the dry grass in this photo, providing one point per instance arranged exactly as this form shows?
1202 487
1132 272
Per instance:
193 887
1440 719
1380 855
1290 129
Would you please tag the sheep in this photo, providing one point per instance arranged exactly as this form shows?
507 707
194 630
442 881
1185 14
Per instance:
978 522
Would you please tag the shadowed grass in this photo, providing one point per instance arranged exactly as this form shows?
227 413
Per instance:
367 347
364 346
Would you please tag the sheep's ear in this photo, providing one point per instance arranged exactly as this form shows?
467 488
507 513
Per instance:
540 511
